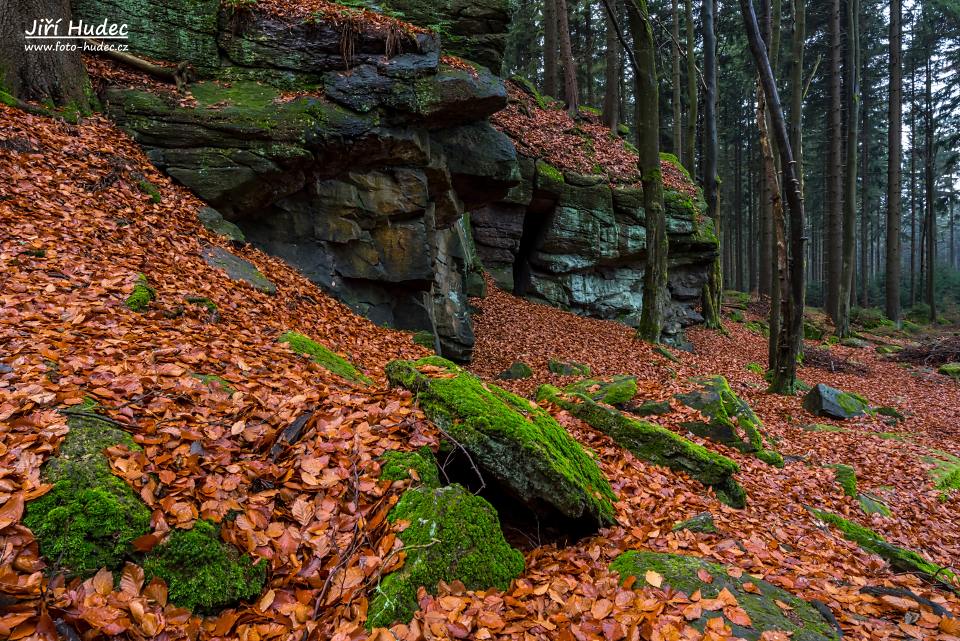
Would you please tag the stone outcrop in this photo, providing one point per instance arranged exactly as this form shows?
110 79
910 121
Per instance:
577 242
357 169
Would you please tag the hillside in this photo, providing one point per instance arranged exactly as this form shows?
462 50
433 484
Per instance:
85 213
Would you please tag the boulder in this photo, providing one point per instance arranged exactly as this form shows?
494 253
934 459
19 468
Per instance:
237 268
215 222
701 523
654 444
731 421
326 358
561 368
451 535
800 620
514 443
516 371
824 400
950 369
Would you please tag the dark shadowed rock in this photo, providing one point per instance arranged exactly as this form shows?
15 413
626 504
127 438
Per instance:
824 400
238 268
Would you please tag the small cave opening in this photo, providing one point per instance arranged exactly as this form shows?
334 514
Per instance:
524 526
535 224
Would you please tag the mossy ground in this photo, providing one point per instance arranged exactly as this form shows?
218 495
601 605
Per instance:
510 437
141 296
324 357
397 466
946 471
201 571
846 478
798 619
654 444
452 535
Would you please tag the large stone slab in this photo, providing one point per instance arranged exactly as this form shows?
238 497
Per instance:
824 400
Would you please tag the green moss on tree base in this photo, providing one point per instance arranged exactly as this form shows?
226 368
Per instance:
396 466
141 296
324 357
654 444
452 536
800 620
509 438
201 571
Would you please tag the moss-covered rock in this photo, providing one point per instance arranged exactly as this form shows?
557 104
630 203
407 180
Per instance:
758 327
900 559
945 472
139 299
516 371
800 620
201 571
615 391
214 221
452 535
90 517
846 478
822 427
888 349
324 357
511 440
425 339
950 369
562 368
870 504
654 444
420 466
824 400
852 341
650 408
731 420
238 268
702 523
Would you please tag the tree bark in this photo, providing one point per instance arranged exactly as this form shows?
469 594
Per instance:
570 91
834 226
690 142
56 77
675 83
852 90
894 158
930 162
611 94
713 290
550 48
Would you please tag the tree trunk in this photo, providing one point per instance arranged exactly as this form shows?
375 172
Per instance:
852 90
834 226
675 82
570 90
550 48
913 190
792 276
713 290
930 161
690 143
866 135
611 92
588 76
894 158
42 76
648 146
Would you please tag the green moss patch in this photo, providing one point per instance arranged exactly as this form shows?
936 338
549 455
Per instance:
141 296
425 339
510 439
561 368
654 444
201 571
822 427
702 523
614 391
516 371
846 478
946 471
400 466
650 408
757 369
731 420
90 517
324 357
800 620
900 559
452 536
950 369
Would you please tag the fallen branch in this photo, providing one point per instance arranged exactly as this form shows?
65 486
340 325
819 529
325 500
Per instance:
180 75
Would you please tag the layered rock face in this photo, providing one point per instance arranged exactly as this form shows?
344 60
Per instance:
357 176
577 242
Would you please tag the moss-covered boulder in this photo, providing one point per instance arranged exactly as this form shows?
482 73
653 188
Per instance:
238 269
654 444
201 571
900 559
452 535
649 408
731 421
824 400
515 444
516 371
799 619
615 391
324 357
950 369
214 221
702 523
420 466
562 368
89 518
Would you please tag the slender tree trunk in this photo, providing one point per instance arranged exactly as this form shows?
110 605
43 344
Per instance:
834 227
913 190
550 48
675 83
41 76
611 95
713 291
796 84
792 275
930 161
852 88
742 284
588 75
894 158
866 135
690 143
570 90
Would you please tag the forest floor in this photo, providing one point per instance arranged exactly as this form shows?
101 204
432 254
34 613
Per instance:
79 227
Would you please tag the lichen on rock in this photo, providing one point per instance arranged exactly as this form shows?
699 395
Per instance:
654 444
202 571
324 357
511 440
452 535
731 420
